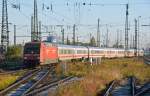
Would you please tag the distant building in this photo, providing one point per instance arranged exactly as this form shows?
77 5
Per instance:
53 39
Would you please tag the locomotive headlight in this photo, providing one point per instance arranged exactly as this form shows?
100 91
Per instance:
25 57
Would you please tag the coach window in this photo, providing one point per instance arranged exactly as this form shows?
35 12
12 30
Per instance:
79 51
120 52
70 52
67 51
98 52
101 52
95 52
62 51
91 52
86 52
112 52
82 51
107 52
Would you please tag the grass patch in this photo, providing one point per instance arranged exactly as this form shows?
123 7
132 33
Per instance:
97 76
7 79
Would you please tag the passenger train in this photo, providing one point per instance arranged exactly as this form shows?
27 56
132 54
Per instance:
42 53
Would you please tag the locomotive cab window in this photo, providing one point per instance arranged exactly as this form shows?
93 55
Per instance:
32 49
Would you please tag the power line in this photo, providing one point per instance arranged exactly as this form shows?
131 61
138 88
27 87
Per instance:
19 7
112 4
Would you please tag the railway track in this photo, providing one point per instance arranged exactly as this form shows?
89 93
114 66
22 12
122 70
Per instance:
25 84
53 85
127 88
144 90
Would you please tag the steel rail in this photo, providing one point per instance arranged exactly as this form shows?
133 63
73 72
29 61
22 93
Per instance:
38 82
110 88
132 86
56 83
143 89
29 84
5 91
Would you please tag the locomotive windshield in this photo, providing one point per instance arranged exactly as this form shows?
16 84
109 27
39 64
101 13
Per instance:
32 48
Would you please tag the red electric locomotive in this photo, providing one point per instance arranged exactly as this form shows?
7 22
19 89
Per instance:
42 53
39 53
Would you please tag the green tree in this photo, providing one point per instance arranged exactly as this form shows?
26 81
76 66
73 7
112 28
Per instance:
14 52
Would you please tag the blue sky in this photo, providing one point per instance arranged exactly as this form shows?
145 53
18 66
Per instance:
69 12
